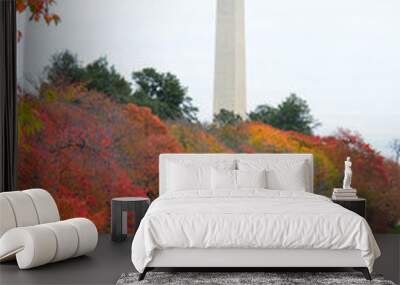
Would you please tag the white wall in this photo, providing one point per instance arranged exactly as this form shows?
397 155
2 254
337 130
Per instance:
342 56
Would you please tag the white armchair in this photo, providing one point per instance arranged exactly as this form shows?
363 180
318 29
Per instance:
31 230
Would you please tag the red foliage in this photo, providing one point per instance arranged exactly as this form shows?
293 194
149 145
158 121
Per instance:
90 149
85 149
38 9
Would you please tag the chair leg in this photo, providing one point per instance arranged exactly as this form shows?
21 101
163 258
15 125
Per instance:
143 274
364 271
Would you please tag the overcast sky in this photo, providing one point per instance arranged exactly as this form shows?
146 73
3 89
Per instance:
342 56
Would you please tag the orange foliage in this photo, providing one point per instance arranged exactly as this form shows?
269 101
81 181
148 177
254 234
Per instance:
85 149
375 178
38 9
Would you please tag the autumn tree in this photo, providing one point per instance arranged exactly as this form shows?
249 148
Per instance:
38 9
195 139
85 148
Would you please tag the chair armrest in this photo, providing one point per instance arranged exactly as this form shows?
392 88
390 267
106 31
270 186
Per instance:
40 244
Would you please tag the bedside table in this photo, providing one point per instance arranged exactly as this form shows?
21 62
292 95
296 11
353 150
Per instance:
358 206
119 215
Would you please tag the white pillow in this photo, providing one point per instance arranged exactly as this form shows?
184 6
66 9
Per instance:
287 177
281 175
223 179
251 178
185 178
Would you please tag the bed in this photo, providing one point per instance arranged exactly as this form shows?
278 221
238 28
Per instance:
246 211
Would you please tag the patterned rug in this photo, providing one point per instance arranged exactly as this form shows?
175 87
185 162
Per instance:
269 278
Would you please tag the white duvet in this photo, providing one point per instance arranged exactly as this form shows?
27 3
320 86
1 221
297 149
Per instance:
250 219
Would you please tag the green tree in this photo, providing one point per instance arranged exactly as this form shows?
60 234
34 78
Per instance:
65 68
105 79
163 94
292 114
225 117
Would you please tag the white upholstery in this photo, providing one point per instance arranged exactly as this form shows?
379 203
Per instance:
7 219
45 205
31 230
230 161
66 236
87 234
23 208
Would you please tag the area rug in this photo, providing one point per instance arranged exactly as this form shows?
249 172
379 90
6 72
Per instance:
269 278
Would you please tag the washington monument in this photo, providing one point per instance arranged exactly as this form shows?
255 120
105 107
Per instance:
230 63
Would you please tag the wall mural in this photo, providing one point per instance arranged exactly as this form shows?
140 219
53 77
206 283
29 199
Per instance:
88 133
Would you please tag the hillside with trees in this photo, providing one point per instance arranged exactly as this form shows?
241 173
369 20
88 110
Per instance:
87 135
86 141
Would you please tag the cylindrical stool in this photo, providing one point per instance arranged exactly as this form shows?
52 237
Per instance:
119 214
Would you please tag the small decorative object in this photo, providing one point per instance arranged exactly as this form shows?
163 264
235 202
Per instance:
347 192
347 174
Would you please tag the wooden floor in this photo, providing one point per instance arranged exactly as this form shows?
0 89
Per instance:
110 260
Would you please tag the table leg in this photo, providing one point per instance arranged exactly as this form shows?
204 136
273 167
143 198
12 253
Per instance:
124 222
116 222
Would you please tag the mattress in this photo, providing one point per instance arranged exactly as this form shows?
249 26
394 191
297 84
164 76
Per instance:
250 219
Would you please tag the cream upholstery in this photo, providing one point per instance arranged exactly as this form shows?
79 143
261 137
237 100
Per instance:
31 230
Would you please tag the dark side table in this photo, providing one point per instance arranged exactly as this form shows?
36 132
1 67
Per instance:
358 205
119 214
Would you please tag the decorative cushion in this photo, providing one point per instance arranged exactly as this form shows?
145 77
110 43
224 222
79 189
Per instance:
281 175
251 179
287 177
223 179
192 177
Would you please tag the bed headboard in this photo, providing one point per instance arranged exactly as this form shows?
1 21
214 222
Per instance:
210 157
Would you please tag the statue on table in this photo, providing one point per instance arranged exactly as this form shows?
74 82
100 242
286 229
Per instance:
347 174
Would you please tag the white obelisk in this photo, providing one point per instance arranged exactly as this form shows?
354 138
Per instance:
230 62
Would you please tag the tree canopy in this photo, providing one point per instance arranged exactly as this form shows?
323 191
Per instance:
292 114
105 79
225 117
164 94
65 69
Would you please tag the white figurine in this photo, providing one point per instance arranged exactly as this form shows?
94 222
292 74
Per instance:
347 174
